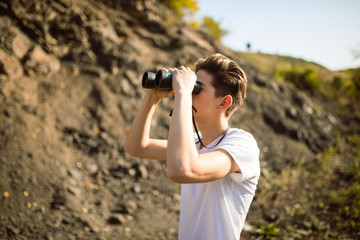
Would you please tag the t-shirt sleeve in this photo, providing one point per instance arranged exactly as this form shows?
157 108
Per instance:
243 149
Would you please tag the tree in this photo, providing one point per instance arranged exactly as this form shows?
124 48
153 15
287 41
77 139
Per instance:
211 27
183 7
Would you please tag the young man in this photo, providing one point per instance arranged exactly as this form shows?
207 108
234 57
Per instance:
218 172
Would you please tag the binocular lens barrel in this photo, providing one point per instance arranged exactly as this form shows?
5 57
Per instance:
148 80
162 80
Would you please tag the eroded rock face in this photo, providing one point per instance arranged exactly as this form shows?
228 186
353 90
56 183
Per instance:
70 85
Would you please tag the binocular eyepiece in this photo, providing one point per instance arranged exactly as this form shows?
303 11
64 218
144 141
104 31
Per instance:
162 80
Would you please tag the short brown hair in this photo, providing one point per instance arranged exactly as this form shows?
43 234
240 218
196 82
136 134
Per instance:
228 78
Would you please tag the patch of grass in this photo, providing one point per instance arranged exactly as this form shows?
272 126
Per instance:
267 231
315 200
308 75
346 199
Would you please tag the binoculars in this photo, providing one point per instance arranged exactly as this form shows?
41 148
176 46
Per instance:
162 79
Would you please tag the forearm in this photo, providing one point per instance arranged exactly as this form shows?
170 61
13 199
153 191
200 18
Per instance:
139 134
181 151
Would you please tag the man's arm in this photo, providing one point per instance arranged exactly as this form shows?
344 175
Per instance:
184 164
138 142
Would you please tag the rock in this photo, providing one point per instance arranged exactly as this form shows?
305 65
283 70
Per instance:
142 171
92 168
81 55
58 199
20 45
93 70
13 230
137 189
116 219
176 197
10 66
75 173
38 61
129 207
133 77
108 32
132 172
247 227
75 191
291 113
127 88
117 174
298 120
261 80
107 138
12 40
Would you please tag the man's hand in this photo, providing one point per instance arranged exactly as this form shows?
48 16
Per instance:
183 79
160 93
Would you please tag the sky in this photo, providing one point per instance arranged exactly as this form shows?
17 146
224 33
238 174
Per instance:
322 31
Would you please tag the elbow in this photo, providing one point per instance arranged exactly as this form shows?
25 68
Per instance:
179 175
175 177
130 149
170 174
135 150
182 170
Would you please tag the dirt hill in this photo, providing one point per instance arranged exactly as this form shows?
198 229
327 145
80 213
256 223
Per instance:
70 85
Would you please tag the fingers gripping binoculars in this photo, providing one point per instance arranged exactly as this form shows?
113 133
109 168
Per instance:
162 79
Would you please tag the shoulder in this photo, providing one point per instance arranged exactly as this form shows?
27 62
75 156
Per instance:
240 141
241 136
243 148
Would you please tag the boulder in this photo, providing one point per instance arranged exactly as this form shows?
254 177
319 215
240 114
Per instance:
39 62
10 65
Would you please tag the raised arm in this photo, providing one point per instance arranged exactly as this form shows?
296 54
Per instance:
184 164
138 142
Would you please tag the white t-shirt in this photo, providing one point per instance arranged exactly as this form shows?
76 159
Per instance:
217 209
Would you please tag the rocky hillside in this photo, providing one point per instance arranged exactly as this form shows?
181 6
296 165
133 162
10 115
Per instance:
70 85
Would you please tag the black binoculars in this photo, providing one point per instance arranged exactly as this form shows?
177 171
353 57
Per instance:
162 80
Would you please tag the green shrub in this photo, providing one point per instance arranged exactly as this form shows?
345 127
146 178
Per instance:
305 79
337 83
268 231
345 88
183 7
356 79
211 27
194 24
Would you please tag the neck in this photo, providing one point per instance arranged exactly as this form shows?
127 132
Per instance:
212 130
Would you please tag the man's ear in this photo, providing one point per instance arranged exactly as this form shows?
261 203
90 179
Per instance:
226 102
